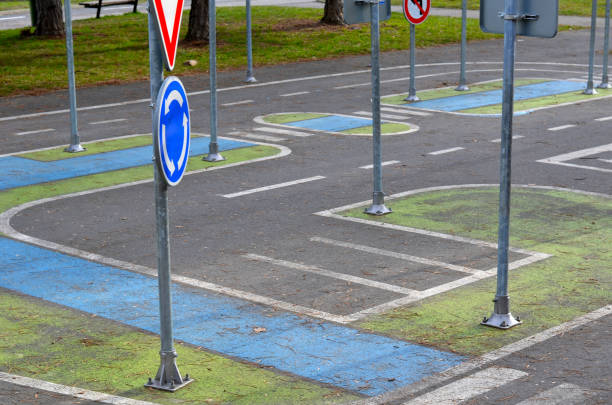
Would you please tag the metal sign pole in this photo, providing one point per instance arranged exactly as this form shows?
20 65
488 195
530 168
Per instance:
412 91
589 89
378 201
168 377
213 147
502 318
604 76
249 74
75 143
462 83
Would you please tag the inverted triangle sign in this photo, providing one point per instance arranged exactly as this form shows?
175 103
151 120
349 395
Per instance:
168 14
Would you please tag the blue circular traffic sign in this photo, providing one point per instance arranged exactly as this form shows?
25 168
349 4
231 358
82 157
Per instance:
172 130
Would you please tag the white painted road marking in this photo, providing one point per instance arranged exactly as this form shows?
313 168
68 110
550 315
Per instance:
38 131
559 128
108 121
267 138
70 391
406 111
443 151
238 103
397 255
282 131
272 187
469 387
12 18
333 274
389 116
498 140
564 394
564 158
604 118
389 162
299 93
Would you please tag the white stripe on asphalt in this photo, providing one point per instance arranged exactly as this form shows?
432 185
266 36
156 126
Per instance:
299 93
108 121
498 140
469 387
559 128
388 116
443 151
38 131
237 103
282 131
71 391
12 18
397 255
604 118
605 160
272 187
405 111
389 162
562 159
333 274
268 138
564 394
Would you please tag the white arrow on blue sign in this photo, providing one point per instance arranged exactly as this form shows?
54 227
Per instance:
172 130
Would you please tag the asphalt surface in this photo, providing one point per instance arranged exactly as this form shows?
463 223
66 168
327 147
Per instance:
212 234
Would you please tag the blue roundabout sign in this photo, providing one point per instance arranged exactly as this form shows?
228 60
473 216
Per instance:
172 130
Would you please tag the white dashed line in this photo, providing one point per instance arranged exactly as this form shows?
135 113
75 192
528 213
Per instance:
282 131
299 93
332 274
469 387
108 121
38 131
604 118
12 18
272 187
443 151
498 140
405 111
388 162
559 128
238 103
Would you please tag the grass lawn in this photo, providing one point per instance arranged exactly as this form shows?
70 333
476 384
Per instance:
21 5
566 7
114 49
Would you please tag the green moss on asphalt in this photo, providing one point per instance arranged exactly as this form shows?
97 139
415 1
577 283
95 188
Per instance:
52 343
575 228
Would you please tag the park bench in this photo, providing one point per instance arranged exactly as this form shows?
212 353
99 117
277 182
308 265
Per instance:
100 3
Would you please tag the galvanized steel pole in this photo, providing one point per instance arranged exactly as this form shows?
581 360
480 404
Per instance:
462 82
604 76
378 201
412 90
249 74
502 318
213 146
589 89
168 377
75 143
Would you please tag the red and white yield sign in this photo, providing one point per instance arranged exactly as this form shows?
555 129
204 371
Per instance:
168 14
416 11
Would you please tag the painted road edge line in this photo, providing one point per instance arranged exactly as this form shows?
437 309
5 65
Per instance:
485 359
71 391
469 386
387 163
272 187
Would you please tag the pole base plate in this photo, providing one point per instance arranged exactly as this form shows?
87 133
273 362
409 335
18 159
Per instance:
604 85
377 209
589 92
462 87
213 157
171 387
250 79
75 148
412 98
501 321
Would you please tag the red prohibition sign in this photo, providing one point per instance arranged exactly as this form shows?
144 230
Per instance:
416 11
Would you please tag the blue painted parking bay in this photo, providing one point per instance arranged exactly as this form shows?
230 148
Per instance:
485 98
345 357
24 172
332 123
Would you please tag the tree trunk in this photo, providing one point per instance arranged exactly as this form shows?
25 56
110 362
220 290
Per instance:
332 14
49 18
198 21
